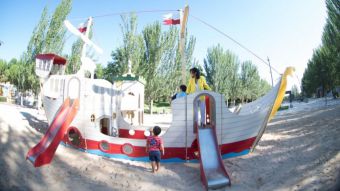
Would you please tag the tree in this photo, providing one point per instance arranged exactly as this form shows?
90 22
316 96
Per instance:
74 60
131 49
319 73
262 88
295 91
36 43
17 74
99 71
3 69
222 71
117 66
131 41
170 68
224 76
161 66
35 46
154 55
55 35
214 64
47 36
153 43
331 39
323 69
235 86
249 81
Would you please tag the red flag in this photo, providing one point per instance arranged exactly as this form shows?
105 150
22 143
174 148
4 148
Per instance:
170 19
82 29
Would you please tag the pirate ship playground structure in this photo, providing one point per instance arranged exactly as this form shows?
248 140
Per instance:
107 119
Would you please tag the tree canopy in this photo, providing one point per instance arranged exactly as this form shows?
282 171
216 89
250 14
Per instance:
153 53
323 69
48 36
225 76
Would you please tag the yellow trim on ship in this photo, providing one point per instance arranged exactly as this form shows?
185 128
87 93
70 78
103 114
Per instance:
282 91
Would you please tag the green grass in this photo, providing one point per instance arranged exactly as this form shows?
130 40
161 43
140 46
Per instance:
162 104
159 107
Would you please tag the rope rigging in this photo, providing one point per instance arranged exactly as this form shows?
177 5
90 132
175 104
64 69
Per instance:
235 41
124 13
196 18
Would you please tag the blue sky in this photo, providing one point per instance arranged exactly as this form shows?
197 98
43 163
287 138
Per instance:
285 31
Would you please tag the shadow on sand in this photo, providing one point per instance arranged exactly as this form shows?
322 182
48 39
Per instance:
276 162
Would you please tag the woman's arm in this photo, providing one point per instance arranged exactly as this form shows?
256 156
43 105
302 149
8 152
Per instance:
189 87
205 85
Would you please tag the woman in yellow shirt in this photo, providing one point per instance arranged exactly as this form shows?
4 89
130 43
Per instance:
198 83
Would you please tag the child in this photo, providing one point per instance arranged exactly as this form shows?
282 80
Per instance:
154 146
183 93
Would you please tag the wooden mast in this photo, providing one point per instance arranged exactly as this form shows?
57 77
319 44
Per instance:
184 19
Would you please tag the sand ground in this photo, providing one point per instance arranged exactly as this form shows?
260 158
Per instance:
299 151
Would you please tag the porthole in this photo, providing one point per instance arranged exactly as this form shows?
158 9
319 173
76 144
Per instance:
74 136
104 146
127 149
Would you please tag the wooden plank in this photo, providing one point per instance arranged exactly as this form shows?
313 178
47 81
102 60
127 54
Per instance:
226 140
242 120
250 132
254 127
180 140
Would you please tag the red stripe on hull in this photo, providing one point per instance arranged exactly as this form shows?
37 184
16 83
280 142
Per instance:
237 147
170 152
124 133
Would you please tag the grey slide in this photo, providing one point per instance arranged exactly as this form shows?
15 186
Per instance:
213 173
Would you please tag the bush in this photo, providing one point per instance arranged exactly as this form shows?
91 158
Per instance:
162 104
283 107
3 99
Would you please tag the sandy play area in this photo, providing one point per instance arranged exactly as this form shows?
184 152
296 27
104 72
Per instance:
299 151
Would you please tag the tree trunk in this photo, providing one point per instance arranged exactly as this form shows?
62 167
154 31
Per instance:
151 106
40 96
21 99
234 102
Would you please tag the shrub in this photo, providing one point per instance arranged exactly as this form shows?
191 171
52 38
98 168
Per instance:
283 107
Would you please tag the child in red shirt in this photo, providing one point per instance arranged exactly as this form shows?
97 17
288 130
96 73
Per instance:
154 146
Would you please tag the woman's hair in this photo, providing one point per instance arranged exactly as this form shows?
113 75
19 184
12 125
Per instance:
196 72
183 88
156 130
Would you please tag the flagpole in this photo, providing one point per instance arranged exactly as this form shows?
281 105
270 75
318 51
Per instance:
184 19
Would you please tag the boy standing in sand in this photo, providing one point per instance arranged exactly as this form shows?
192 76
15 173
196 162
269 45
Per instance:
154 146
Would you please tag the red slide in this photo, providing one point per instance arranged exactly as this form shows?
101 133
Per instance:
44 151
